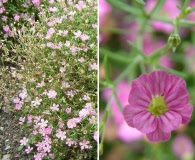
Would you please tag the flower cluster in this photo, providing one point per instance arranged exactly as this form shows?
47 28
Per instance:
58 103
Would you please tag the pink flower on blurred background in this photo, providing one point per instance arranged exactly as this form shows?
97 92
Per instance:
183 147
158 104
124 133
169 10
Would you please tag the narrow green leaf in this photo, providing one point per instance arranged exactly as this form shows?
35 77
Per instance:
103 122
114 56
20 148
124 7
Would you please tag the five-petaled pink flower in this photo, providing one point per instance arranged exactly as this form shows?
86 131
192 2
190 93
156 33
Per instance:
158 104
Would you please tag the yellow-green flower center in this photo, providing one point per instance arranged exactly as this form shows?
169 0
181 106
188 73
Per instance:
157 106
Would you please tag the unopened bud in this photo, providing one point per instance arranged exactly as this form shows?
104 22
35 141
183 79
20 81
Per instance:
174 40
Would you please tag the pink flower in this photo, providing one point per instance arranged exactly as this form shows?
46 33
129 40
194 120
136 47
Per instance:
158 104
77 34
83 113
6 28
84 144
16 17
169 10
38 156
95 136
73 122
18 106
51 94
29 149
36 3
21 120
55 107
68 110
24 141
43 123
60 134
183 146
70 142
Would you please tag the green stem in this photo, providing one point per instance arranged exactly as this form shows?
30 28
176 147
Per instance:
125 7
117 100
157 7
128 69
106 69
158 53
114 56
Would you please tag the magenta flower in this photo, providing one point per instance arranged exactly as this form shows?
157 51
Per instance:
158 104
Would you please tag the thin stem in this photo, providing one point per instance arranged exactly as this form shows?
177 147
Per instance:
128 69
114 56
116 99
157 7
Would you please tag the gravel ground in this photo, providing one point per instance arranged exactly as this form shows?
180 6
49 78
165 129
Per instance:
10 135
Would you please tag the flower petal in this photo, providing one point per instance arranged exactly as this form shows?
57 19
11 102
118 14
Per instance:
145 82
177 98
160 80
169 121
138 97
185 113
174 82
129 112
145 122
158 136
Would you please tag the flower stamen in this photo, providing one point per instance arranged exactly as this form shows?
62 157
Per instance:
157 106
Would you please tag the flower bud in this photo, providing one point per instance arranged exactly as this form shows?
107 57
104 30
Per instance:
174 40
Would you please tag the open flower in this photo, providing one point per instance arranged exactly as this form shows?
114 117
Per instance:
158 104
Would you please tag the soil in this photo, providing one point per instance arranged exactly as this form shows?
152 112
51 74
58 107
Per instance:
10 135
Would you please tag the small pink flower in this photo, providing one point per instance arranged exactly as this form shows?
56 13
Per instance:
70 142
84 144
24 141
77 34
23 95
55 107
16 17
21 120
6 28
60 134
68 110
18 106
43 123
51 94
158 104
17 100
28 149
83 113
